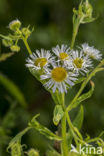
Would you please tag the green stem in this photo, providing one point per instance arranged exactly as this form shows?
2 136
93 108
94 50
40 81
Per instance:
63 122
85 83
64 143
76 25
75 31
27 45
76 134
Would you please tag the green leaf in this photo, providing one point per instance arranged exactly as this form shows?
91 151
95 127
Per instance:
3 57
79 118
57 97
43 130
88 20
80 80
84 96
35 73
13 90
78 121
5 37
58 114
17 138
52 152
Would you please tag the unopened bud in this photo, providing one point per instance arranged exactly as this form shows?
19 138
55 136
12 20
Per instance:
7 43
15 48
14 25
16 150
26 32
33 152
87 9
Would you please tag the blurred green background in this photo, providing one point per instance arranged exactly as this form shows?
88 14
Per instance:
52 22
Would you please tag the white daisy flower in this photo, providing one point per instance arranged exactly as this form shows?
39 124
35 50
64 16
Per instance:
40 59
91 52
59 78
80 62
62 52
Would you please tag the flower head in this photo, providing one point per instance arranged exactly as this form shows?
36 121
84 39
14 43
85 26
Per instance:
15 48
40 59
14 24
62 53
91 52
59 78
80 63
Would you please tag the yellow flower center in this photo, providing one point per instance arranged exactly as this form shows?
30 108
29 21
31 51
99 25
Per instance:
78 62
40 62
59 74
63 56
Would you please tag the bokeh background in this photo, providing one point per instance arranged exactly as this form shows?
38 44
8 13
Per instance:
52 22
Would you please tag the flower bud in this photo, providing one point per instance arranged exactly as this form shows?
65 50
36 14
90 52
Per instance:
33 152
16 150
87 9
26 32
7 43
15 48
14 25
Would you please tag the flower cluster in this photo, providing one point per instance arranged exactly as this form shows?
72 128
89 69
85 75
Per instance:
60 70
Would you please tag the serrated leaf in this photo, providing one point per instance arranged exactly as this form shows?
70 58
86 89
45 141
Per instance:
3 57
58 114
43 130
84 96
13 90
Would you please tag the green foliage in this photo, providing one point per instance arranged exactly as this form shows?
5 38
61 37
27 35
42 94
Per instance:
78 121
13 90
58 114
84 13
52 152
81 16
3 57
84 96
43 130
79 118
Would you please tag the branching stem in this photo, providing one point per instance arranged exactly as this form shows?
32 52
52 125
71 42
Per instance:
27 45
